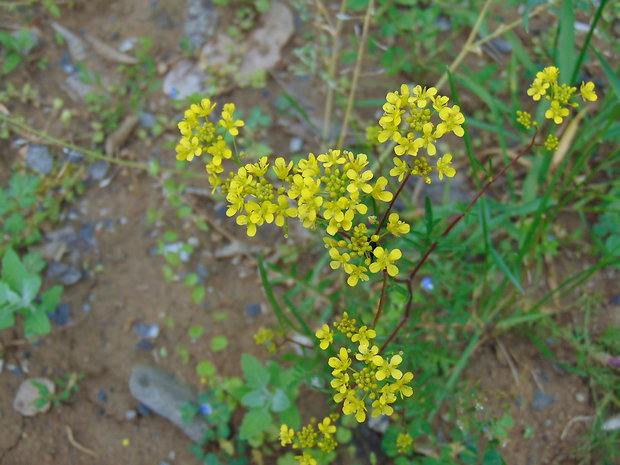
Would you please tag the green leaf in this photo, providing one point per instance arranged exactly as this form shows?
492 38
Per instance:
255 422
198 293
191 279
501 264
29 289
50 299
492 457
196 331
205 368
13 271
256 398
36 324
11 61
219 343
7 318
255 374
280 401
291 417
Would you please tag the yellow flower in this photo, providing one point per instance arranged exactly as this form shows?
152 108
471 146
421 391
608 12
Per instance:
340 363
356 274
305 459
421 95
204 109
401 387
364 335
386 369
385 260
281 168
326 336
556 112
549 74
338 259
340 382
367 353
286 435
396 226
428 138
587 92
228 122
538 89
444 168
452 118
400 168
378 191
326 427
354 405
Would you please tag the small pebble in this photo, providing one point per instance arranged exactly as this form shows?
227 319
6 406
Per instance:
502 45
147 120
144 345
86 308
14 369
39 158
73 156
56 269
98 170
296 144
102 395
202 271
130 414
253 309
144 410
61 315
580 397
72 276
542 400
146 331
122 220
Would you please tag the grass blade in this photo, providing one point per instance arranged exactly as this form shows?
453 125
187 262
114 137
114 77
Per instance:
566 42
582 53
612 76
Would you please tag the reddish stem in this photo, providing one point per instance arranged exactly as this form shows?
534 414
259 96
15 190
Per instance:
380 309
450 227
389 209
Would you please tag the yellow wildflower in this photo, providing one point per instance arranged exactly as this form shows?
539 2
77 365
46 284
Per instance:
286 435
587 92
326 336
385 260
444 168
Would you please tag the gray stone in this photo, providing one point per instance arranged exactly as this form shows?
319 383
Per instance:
201 21
296 144
98 170
39 158
73 156
28 394
165 395
146 331
130 415
147 120
184 79
71 276
542 400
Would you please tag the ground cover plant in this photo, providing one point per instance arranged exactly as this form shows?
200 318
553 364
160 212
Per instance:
383 248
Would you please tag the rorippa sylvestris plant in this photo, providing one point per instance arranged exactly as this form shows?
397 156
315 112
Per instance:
333 193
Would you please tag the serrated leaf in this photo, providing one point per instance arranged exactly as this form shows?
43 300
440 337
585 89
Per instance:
291 417
255 399
280 401
255 422
254 372
13 271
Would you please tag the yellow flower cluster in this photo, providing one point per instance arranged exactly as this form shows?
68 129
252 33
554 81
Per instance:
560 96
331 190
366 377
199 135
309 437
403 443
265 337
408 121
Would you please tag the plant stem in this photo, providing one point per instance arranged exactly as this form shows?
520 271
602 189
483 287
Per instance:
409 280
380 308
389 209
356 73
331 71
